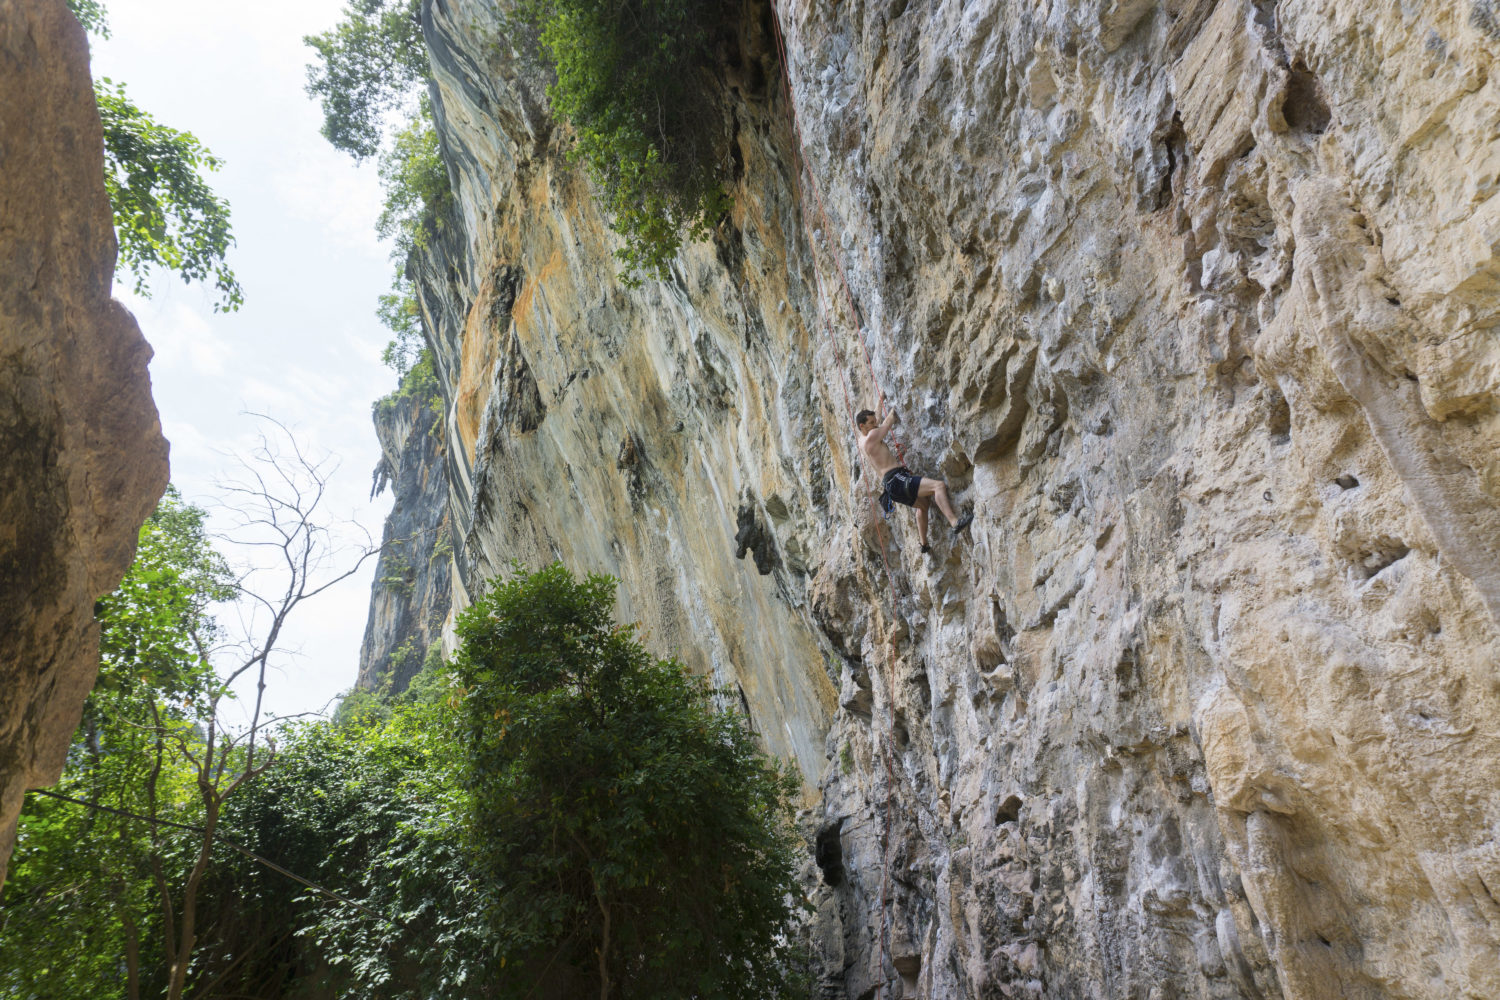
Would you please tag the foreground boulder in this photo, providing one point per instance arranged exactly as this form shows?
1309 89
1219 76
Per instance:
82 458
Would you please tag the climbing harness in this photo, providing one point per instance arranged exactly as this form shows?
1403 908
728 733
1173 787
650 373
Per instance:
886 753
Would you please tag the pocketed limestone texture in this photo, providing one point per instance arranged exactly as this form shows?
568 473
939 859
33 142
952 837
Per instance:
82 459
1194 303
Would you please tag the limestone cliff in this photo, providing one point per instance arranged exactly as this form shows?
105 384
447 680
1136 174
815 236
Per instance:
413 573
82 459
1195 302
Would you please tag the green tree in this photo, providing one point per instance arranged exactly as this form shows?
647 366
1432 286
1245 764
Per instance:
369 78
631 840
155 746
370 65
417 195
165 214
82 909
366 807
92 15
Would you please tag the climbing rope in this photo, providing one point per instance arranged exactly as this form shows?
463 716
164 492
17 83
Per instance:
886 752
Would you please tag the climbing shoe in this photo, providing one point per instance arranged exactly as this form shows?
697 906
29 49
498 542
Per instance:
963 522
926 549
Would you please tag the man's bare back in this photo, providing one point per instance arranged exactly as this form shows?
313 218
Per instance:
900 484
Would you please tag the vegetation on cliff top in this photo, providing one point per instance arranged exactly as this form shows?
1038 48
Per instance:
632 79
370 79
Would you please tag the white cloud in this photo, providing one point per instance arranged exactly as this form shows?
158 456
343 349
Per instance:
341 200
182 338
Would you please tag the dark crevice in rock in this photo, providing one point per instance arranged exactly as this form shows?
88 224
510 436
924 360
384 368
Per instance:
1279 417
1381 556
828 852
755 538
1304 107
1009 811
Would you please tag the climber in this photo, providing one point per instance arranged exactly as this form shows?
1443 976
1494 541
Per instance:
901 484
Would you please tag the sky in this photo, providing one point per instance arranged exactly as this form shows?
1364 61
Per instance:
305 347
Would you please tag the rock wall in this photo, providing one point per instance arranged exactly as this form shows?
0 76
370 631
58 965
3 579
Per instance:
1195 303
413 574
82 459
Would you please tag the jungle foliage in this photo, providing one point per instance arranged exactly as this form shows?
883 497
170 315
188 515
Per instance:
370 78
556 814
165 213
82 914
369 66
632 78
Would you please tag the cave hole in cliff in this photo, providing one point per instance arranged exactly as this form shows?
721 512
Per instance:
923 688
828 853
1304 107
899 732
1009 811
909 968
1279 419
1346 482
1127 669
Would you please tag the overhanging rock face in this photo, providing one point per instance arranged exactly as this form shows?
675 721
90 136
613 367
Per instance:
82 459
1195 304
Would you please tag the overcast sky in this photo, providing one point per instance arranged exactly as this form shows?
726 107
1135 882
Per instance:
305 347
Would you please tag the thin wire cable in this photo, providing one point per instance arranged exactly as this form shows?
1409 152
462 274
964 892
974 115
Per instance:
884 747
339 897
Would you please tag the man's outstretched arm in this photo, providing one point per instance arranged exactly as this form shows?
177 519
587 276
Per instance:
885 426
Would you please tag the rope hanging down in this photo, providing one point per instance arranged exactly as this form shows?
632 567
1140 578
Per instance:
886 752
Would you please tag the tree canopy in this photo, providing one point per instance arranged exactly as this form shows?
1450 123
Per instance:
81 915
166 215
555 814
630 840
369 78
369 65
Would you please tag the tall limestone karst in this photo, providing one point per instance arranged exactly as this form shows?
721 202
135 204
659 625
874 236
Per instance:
82 458
1195 302
412 594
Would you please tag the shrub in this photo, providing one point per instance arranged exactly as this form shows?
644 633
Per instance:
417 194
419 382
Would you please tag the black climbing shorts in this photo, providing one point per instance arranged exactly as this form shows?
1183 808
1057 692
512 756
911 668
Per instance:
902 484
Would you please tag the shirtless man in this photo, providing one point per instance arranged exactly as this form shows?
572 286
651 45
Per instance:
901 484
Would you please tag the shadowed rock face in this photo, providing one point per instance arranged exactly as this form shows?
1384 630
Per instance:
413 576
1194 303
82 459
